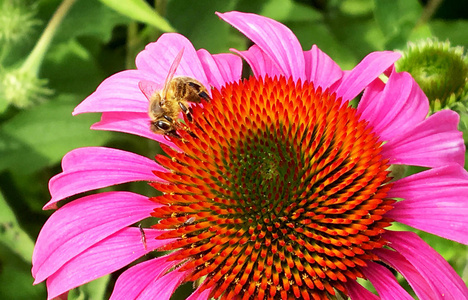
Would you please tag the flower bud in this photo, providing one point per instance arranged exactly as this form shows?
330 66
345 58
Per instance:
439 69
16 21
22 88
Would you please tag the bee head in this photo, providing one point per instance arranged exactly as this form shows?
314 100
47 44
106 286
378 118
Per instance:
155 108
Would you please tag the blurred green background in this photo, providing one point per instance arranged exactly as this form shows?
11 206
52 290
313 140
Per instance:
98 38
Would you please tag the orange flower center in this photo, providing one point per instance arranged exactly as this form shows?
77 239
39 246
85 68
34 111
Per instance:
278 192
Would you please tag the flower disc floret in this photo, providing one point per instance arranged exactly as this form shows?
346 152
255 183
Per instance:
278 192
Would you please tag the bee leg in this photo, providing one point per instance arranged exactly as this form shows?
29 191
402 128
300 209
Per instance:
173 133
201 94
204 96
168 118
190 112
187 111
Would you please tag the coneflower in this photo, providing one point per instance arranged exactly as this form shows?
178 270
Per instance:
276 188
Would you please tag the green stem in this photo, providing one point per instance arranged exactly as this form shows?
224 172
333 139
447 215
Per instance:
132 43
429 11
160 6
34 60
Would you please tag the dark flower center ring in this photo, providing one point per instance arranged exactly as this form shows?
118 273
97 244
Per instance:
278 192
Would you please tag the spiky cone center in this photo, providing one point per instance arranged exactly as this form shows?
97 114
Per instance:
278 192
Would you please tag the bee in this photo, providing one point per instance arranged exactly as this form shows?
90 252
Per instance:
166 104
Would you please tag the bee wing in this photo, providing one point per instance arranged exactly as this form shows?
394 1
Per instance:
148 88
172 70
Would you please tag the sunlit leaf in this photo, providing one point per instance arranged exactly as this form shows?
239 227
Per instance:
141 11
356 7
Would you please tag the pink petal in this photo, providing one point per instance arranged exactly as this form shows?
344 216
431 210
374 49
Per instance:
320 68
107 256
86 169
259 61
220 68
397 108
136 279
435 201
273 38
398 262
163 287
384 282
434 142
82 223
371 98
133 123
358 292
432 267
200 295
120 92
364 73
158 57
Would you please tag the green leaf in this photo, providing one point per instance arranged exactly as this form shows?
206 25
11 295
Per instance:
420 32
41 136
386 14
3 105
95 290
455 31
203 28
396 20
289 10
390 14
16 281
70 68
140 10
356 7
358 35
11 234
310 33
90 18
